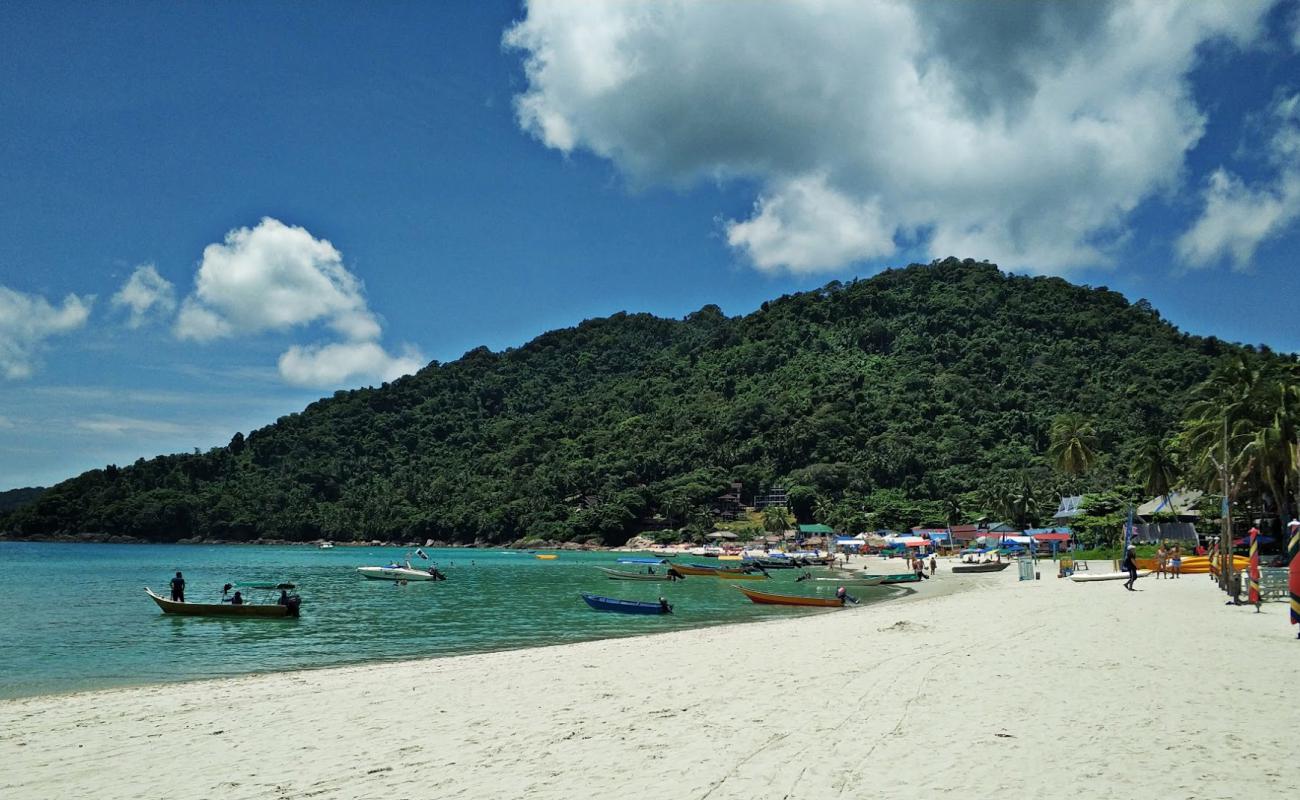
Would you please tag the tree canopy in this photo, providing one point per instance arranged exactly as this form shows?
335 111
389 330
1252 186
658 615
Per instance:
905 398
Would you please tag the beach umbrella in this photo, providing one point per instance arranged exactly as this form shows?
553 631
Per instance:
1254 568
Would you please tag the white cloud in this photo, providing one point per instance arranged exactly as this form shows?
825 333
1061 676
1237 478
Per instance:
27 320
1020 132
145 293
117 426
806 226
333 364
1239 217
273 277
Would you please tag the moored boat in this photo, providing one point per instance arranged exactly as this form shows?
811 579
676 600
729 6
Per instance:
627 606
545 556
695 569
398 572
858 580
901 577
768 598
992 566
262 610
616 575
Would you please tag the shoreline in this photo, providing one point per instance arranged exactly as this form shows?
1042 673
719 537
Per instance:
1044 688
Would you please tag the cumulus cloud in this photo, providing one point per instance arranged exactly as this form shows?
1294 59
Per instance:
27 320
1238 217
273 277
145 294
1020 132
276 277
333 364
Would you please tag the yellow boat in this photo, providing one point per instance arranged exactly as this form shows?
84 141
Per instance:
546 556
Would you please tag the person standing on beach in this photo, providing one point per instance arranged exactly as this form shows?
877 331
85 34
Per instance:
1176 563
934 563
1130 564
178 588
1162 558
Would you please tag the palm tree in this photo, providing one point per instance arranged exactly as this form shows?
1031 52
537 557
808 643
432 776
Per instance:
1023 501
1073 444
824 510
1155 468
777 519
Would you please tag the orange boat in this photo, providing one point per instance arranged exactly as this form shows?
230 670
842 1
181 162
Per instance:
767 598
688 569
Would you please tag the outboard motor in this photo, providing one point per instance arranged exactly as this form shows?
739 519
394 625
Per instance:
293 603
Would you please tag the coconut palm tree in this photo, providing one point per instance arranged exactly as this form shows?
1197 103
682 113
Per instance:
1073 445
777 519
1155 468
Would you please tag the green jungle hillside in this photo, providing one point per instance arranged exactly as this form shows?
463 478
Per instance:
917 395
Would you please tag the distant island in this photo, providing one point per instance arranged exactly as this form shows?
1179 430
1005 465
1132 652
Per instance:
924 394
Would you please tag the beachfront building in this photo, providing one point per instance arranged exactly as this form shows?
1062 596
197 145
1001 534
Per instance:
1181 505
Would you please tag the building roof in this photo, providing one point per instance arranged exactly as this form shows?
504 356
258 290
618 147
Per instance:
815 529
1181 503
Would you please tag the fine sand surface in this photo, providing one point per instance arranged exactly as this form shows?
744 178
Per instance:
1039 689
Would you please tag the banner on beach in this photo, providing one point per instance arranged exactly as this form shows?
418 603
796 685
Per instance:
1293 581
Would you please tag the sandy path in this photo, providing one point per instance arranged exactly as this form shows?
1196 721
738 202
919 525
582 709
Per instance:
1043 689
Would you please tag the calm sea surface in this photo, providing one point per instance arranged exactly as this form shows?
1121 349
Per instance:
75 616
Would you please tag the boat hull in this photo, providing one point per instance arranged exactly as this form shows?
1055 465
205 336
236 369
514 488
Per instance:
394 574
687 569
255 610
615 575
970 568
624 606
770 599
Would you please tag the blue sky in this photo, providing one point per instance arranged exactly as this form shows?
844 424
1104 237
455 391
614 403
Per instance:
306 197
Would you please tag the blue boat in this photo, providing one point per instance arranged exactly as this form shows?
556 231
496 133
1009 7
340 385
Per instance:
627 606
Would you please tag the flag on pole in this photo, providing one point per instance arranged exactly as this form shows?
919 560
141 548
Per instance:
1128 529
1254 567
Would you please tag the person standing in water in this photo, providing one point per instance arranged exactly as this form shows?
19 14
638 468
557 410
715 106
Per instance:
178 588
1130 564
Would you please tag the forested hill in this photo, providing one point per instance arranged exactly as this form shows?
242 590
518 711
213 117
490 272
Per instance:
917 385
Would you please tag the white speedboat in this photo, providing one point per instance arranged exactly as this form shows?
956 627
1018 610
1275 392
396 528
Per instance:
326 545
398 572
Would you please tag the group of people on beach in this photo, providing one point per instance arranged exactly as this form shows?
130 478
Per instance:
1169 562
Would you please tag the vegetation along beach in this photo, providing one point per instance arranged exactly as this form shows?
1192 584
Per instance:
548 399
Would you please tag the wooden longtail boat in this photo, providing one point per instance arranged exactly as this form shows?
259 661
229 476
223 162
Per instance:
861 580
901 577
615 575
626 606
767 598
992 566
263 610
691 569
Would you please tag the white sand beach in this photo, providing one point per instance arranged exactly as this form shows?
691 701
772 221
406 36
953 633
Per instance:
1039 689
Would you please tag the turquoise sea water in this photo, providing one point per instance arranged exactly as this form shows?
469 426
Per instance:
75 616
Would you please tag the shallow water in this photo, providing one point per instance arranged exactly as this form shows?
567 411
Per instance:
75 616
